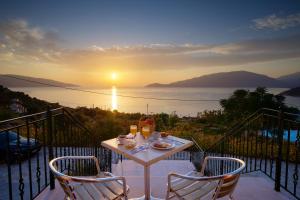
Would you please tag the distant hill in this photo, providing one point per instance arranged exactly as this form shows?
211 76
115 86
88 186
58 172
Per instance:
158 85
9 81
293 80
294 92
32 104
227 79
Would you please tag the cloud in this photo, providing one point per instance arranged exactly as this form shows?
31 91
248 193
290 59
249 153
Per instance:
169 56
22 43
277 23
96 48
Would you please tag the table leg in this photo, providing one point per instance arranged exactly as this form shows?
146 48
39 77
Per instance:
147 188
147 182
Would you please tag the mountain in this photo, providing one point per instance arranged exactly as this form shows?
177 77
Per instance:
10 80
227 79
294 92
293 80
157 85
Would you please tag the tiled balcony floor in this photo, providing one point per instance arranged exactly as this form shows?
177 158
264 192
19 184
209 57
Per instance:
251 186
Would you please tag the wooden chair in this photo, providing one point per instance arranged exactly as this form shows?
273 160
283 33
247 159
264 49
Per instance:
102 186
195 185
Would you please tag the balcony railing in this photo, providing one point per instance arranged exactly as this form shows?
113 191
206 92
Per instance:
43 136
268 141
33 141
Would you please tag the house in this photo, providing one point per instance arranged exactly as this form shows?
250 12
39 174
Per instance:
17 106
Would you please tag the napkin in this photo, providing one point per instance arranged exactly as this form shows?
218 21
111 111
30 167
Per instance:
138 149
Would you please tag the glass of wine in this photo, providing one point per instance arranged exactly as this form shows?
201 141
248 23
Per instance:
133 129
146 132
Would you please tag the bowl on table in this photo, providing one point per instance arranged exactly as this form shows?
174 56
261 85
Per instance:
130 143
164 134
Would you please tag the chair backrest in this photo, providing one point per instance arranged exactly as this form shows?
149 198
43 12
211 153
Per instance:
226 186
227 181
65 180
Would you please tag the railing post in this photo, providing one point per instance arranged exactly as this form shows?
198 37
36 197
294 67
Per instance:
222 155
109 160
95 151
8 162
50 144
279 156
95 143
202 160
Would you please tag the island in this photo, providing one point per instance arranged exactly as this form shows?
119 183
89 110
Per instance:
294 92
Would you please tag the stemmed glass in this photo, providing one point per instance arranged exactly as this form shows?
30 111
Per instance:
146 132
133 130
146 135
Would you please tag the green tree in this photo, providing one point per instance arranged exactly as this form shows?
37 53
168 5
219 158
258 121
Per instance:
242 103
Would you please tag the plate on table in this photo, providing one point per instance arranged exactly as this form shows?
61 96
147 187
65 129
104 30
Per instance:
160 145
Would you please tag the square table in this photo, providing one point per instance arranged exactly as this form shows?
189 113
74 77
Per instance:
147 157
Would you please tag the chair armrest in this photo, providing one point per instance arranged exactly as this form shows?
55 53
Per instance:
92 180
97 164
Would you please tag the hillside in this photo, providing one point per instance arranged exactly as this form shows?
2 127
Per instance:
7 80
293 80
227 79
33 105
294 92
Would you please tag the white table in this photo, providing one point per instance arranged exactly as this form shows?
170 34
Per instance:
148 156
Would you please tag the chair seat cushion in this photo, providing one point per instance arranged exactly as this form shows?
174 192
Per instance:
197 190
190 189
180 183
106 190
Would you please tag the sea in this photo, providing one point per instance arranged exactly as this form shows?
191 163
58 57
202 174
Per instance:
143 100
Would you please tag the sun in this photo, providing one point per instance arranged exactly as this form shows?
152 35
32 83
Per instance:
114 76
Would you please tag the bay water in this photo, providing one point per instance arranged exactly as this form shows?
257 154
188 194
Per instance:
113 98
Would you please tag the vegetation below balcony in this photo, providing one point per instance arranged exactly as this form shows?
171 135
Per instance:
207 128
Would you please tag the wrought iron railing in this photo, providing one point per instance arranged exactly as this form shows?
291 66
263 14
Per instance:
268 141
29 142
39 138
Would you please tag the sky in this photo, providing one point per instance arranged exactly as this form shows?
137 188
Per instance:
141 42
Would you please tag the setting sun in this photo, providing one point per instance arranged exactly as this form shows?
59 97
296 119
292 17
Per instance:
113 76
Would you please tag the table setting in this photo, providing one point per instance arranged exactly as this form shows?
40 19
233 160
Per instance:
135 141
146 147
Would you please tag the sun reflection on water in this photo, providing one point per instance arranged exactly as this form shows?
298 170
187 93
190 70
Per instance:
114 100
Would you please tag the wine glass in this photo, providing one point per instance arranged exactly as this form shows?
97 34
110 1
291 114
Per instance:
146 132
133 129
